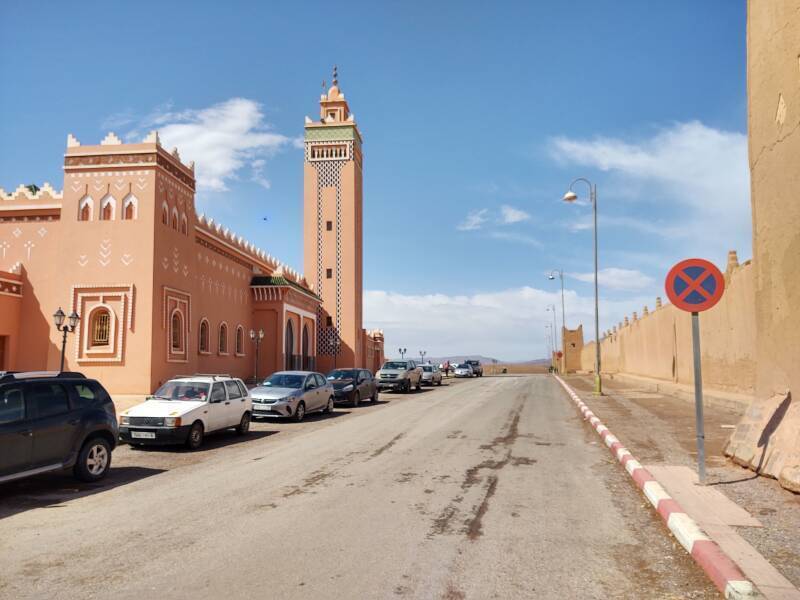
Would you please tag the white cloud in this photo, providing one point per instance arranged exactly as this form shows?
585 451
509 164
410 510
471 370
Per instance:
699 173
224 140
505 324
518 238
509 215
474 220
617 279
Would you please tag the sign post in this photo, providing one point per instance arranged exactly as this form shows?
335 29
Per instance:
695 285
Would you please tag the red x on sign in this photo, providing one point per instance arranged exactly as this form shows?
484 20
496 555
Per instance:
694 285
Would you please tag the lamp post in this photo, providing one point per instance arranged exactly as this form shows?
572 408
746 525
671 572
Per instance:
551 277
571 196
58 319
422 354
552 308
256 336
402 352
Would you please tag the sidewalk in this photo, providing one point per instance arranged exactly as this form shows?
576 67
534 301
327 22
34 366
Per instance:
659 430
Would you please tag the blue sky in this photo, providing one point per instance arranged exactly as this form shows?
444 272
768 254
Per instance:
475 118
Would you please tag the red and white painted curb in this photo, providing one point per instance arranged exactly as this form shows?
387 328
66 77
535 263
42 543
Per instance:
722 571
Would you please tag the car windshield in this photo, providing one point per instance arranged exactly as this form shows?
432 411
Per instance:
183 390
343 374
464 366
396 364
428 369
285 380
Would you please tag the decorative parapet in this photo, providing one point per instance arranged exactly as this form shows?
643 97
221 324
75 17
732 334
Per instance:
111 139
23 192
658 302
257 255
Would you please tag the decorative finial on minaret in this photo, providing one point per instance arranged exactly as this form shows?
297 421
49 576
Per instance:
335 75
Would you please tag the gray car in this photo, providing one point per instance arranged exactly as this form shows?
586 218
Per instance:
431 375
401 375
292 395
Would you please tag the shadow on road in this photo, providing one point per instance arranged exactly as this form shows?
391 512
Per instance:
212 441
51 490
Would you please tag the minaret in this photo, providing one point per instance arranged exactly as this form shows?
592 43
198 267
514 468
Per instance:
333 228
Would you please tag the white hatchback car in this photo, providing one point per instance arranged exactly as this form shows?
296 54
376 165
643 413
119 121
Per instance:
185 409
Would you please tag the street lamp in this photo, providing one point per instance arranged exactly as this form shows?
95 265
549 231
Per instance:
571 196
72 323
552 308
256 337
402 352
552 277
422 354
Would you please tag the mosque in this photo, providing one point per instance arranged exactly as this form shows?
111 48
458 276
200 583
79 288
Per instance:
161 290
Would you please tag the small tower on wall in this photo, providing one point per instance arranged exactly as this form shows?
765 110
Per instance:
332 228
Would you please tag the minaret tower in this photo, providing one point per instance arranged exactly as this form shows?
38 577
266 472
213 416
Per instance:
333 229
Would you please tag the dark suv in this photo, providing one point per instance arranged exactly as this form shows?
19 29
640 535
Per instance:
477 369
52 421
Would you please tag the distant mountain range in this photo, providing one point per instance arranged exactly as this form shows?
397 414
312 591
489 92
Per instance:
485 360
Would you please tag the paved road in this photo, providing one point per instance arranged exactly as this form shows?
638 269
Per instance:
492 488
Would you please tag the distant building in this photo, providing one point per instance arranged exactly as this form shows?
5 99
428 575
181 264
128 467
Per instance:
162 290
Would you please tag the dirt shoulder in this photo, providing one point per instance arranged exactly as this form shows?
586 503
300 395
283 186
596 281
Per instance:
660 430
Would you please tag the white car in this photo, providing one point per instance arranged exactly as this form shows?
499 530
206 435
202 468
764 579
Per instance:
464 370
185 409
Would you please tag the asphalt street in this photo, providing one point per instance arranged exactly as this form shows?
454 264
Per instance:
488 488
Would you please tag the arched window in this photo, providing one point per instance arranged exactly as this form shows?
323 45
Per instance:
203 344
289 345
175 219
107 208
240 340
100 327
164 214
176 333
130 207
184 225
85 207
306 348
223 338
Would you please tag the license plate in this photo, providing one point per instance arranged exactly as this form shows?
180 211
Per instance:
146 435
260 407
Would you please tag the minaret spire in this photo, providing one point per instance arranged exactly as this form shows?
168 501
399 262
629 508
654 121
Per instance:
335 75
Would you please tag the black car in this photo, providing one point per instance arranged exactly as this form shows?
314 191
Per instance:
52 421
477 369
353 386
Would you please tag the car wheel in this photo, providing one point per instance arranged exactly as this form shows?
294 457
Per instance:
300 412
196 434
439 382
244 425
407 386
94 460
374 395
356 399
419 384
329 407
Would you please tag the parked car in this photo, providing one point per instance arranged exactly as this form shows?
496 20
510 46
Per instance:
353 385
477 368
185 409
399 375
53 421
464 370
431 375
292 395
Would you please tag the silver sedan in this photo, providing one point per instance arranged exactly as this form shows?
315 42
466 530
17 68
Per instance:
292 395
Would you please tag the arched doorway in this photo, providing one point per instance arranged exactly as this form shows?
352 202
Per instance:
289 345
306 350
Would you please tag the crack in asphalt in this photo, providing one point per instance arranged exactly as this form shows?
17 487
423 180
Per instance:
388 445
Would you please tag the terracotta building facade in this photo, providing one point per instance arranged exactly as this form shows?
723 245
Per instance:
162 290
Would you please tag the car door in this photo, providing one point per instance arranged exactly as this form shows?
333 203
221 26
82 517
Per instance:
364 384
323 389
55 423
217 407
16 436
235 404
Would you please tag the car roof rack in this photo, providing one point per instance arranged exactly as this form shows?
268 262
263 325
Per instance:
212 375
19 375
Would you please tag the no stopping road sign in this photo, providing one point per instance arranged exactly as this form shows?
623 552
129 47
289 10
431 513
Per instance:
694 285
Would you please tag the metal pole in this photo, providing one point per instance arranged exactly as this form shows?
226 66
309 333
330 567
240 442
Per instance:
63 348
698 401
598 386
563 314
